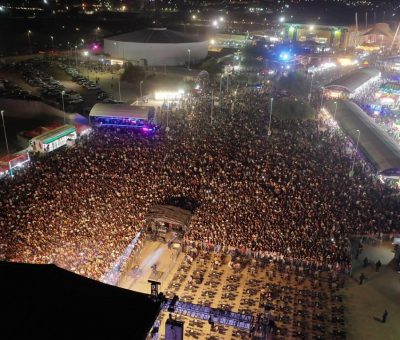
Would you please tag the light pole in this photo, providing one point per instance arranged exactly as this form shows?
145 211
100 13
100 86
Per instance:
76 58
62 99
309 96
141 93
29 39
97 32
52 42
5 134
220 89
334 115
322 97
189 60
69 54
270 117
351 173
119 88
212 105
167 128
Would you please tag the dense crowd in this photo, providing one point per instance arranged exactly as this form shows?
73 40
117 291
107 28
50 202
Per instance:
286 195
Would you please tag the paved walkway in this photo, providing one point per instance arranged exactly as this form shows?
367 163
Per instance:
366 303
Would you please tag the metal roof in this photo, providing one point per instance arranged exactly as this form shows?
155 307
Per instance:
52 135
376 144
156 36
120 111
353 80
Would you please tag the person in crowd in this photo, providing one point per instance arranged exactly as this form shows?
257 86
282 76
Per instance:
362 278
384 316
286 196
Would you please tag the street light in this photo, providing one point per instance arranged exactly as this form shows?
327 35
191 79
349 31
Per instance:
334 115
62 99
119 88
5 134
351 173
189 59
270 117
141 93
52 42
312 79
212 106
29 39
322 97
76 57
282 19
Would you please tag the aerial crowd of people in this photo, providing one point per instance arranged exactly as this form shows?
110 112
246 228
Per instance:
285 195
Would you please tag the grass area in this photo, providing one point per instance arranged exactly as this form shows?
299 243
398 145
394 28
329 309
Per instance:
287 109
295 83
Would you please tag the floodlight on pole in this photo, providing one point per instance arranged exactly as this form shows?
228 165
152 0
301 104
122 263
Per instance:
29 39
63 107
355 154
4 129
270 117
334 115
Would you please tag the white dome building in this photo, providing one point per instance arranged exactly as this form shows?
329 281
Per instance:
157 47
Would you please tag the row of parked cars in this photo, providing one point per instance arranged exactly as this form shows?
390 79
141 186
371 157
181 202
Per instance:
50 88
8 89
88 84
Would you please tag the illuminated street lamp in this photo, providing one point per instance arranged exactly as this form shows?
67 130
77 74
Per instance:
334 115
76 57
312 79
52 42
282 19
194 17
62 99
29 39
270 117
5 134
351 173
215 23
97 32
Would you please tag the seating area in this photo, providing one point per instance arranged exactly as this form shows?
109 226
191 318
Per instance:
304 304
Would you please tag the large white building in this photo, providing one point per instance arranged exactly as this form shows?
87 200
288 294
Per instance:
157 47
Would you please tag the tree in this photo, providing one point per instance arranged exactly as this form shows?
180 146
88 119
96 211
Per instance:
212 67
253 56
133 74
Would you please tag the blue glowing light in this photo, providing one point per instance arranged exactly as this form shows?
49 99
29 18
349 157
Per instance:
285 56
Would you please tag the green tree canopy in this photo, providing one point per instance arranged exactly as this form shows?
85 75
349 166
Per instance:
133 73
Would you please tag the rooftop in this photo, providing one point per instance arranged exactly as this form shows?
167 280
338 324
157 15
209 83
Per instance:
156 36
353 80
